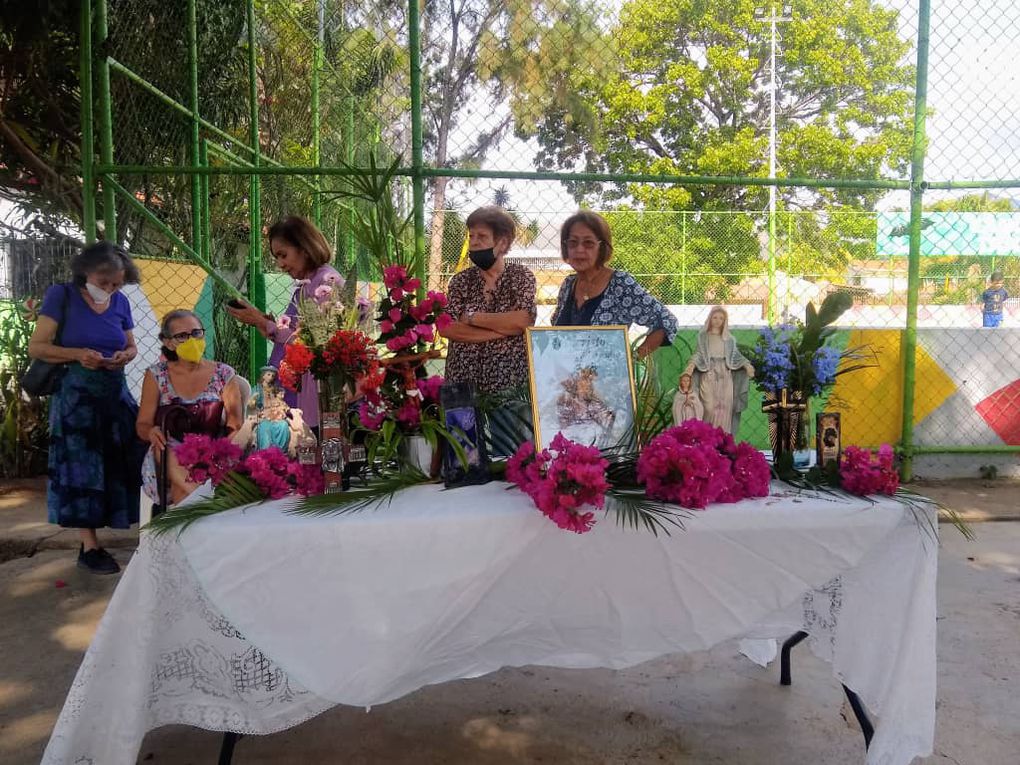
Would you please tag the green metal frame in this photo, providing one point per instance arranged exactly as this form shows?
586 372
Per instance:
95 69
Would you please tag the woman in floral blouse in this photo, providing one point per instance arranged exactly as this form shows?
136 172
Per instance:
492 302
597 294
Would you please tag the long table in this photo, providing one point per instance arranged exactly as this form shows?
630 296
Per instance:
254 621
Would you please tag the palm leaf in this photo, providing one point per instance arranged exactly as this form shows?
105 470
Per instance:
633 509
378 490
236 490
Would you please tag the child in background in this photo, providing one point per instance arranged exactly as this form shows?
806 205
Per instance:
993 298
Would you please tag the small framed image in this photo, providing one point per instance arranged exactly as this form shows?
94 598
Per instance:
828 437
582 384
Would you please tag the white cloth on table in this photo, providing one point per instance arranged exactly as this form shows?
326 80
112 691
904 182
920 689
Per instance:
362 609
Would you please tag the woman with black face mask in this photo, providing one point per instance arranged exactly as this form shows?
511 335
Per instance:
492 302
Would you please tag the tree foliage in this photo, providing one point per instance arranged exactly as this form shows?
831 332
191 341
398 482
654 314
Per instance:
39 107
474 54
682 87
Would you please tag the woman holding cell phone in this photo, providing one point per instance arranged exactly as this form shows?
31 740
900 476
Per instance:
94 455
301 251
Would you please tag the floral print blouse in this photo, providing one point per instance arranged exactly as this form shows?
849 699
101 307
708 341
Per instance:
624 301
494 365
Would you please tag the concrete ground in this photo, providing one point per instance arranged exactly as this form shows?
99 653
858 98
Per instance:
713 707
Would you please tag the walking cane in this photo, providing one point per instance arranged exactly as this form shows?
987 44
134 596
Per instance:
164 464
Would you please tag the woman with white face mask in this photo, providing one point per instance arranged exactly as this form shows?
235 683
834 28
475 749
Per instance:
94 455
184 393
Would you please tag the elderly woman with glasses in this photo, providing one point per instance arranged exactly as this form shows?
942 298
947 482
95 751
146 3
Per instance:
183 393
597 294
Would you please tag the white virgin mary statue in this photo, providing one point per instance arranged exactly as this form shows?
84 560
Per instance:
720 372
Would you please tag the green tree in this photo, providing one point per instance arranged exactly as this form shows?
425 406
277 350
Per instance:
681 87
983 202
474 54
39 107
686 92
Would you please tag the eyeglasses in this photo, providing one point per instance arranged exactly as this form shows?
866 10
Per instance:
587 244
180 337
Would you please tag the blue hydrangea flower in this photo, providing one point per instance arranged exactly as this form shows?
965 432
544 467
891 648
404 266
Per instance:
776 356
824 364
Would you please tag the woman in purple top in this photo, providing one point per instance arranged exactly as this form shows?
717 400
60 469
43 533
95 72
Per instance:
94 456
300 250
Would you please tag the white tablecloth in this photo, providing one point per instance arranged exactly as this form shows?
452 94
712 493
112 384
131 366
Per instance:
255 620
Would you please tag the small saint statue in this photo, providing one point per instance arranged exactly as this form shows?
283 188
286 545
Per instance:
686 404
720 373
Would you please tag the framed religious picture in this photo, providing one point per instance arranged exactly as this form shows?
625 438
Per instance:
582 384
828 436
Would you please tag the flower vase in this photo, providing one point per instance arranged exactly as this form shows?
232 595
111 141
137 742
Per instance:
417 452
334 438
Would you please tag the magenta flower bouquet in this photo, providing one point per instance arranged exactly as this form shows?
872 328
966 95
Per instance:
864 472
562 481
695 464
406 325
271 472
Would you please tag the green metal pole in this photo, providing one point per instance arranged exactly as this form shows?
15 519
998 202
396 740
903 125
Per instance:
196 186
1010 183
914 251
349 154
206 233
772 261
417 163
271 167
88 147
966 449
172 237
683 258
256 280
105 124
316 115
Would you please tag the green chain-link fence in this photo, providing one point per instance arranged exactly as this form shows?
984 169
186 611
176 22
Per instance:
757 154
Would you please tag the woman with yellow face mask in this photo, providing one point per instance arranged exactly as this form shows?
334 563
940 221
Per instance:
184 393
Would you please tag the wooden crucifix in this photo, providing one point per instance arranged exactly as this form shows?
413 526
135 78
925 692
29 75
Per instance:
788 409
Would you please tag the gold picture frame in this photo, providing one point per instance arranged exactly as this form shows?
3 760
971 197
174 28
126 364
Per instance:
582 384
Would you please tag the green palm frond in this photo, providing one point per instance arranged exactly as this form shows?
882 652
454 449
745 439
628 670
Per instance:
633 509
236 490
919 504
378 490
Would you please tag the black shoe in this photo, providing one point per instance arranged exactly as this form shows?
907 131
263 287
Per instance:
97 560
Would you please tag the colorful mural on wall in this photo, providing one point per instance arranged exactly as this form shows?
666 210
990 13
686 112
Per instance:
967 394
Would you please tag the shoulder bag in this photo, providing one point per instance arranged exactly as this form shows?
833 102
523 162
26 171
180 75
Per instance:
42 378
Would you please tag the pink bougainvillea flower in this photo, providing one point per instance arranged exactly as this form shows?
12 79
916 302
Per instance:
409 412
424 332
437 298
420 311
562 480
863 472
372 413
395 315
386 326
394 276
396 294
429 387
695 464
443 321
411 285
